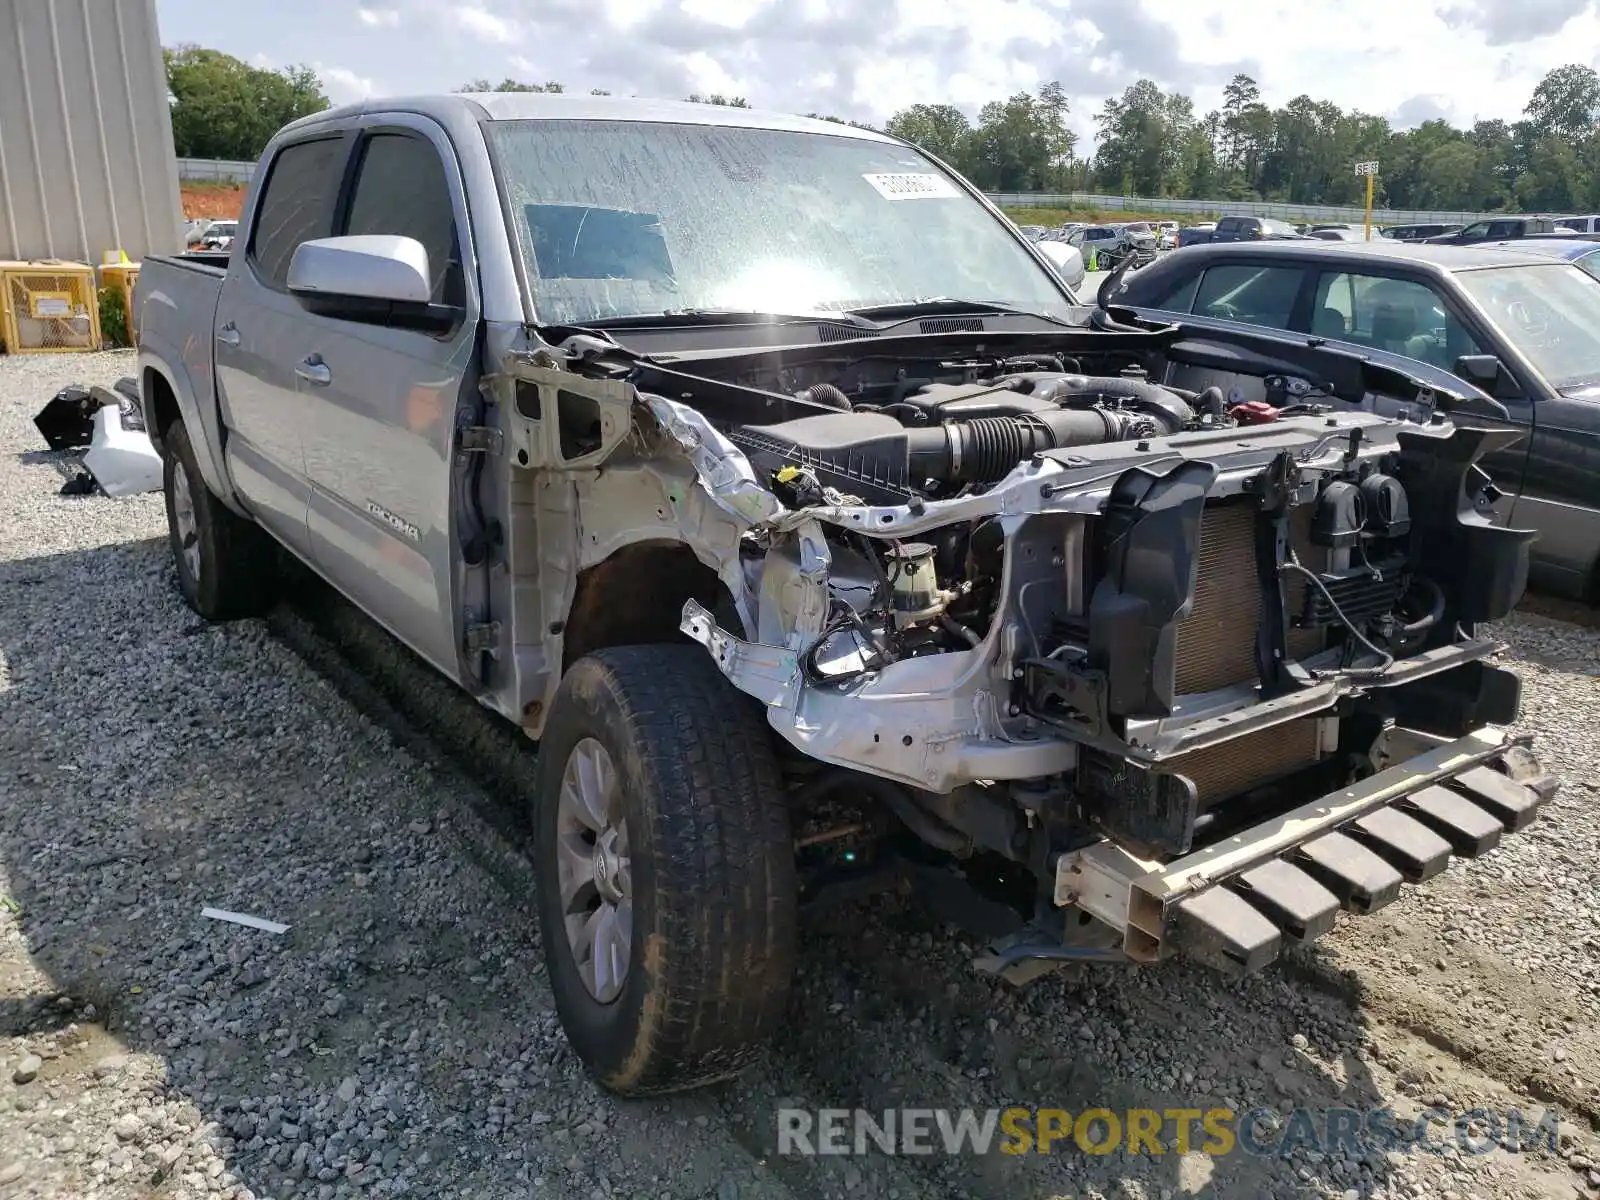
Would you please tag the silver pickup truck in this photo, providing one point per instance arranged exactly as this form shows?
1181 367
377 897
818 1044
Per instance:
766 476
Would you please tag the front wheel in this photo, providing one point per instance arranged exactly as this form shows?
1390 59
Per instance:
665 870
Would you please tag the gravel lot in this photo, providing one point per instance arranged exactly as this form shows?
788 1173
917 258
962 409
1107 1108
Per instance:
400 1037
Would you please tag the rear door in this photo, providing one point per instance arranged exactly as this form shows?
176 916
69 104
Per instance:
381 407
260 334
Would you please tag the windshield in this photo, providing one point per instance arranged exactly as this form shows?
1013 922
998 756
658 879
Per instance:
1550 313
628 218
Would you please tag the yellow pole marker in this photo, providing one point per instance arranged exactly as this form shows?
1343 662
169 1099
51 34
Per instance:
1370 170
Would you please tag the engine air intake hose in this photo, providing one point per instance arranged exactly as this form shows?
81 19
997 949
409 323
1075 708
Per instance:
989 448
826 393
1082 391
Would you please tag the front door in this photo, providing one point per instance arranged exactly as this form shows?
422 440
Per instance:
1411 318
382 401
260 335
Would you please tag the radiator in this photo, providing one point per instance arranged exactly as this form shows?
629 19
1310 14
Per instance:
1246 762
1216 643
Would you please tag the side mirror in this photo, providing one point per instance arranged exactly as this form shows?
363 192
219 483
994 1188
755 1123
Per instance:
1486 371
363 266
1067 261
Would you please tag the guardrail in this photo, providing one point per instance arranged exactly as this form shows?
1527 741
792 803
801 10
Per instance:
219 169
1230 208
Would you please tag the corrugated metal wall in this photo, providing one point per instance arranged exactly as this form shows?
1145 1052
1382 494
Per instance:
86 156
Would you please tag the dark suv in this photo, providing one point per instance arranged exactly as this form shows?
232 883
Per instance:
1499 229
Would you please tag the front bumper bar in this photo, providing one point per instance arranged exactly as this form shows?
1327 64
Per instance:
1234 904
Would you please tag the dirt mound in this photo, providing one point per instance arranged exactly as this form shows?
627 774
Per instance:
216 201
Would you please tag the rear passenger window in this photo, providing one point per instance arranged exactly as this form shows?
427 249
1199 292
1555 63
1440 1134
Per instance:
297 204
1254 295
1398 315
401 189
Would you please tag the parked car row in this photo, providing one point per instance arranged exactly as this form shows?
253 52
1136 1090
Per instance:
1169 235
1515 324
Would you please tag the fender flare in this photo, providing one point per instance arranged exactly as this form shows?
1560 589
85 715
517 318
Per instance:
204 425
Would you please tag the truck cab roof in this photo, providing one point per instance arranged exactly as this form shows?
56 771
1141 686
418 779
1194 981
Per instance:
557 106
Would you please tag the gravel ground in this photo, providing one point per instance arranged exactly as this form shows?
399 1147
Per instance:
400 1037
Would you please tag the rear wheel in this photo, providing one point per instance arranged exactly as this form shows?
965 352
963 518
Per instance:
225 563
665 869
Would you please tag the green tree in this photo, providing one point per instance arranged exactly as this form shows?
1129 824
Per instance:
1144 136
941 129
725 101
1566 104
815 116
224 108
513 85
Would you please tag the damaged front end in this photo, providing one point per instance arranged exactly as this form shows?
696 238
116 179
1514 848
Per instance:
1199 666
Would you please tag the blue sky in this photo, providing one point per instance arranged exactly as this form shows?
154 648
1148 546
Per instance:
1407 59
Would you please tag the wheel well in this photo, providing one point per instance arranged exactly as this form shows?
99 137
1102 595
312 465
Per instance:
636 597
160 404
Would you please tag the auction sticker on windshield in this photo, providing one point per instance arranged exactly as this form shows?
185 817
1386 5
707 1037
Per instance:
912 186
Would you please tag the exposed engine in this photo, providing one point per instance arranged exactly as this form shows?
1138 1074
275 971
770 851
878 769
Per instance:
936 438
1345 573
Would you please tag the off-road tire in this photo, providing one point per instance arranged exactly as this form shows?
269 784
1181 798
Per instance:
237 574
714 894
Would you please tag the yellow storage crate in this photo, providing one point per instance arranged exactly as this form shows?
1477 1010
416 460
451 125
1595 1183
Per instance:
48 307
123 276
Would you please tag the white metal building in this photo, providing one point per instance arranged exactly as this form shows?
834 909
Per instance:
86 153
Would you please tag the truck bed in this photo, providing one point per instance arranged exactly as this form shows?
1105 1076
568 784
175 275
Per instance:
176 301
207 262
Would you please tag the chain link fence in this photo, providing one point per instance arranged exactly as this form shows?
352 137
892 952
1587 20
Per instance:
217 169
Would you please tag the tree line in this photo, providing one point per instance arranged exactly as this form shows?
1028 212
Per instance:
1153 143
1150 142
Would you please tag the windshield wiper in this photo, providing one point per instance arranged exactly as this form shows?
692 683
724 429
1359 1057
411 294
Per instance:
945 304
677 317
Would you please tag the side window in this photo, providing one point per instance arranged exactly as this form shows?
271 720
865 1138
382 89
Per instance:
1506 229
1228 225
1254 295
1401 316
1180 298
401 189
1589 264
1333 311
297 204
1476 229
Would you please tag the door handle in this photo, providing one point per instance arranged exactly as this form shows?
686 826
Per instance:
314 371
228 334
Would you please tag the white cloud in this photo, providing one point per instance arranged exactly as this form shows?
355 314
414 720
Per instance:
482 23
343 85
1467 59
